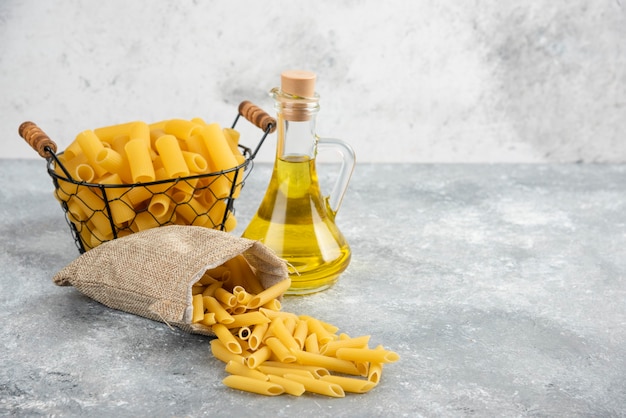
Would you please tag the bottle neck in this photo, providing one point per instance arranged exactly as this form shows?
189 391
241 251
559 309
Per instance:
296 132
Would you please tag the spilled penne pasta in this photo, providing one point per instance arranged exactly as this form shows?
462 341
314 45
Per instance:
271 352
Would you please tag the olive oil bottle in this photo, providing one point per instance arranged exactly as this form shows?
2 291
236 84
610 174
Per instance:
295 219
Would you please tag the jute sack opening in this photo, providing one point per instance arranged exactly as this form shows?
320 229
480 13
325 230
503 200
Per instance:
151 273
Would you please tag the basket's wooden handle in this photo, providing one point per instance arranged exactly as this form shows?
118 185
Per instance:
257 116
37 139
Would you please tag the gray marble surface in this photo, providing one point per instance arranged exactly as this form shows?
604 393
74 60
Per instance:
502 287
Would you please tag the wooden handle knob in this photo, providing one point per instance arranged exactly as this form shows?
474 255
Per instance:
257 116
37 139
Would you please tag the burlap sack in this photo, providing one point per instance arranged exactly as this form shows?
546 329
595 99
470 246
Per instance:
150 273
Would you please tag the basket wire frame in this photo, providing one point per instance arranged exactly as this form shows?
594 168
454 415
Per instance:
110 194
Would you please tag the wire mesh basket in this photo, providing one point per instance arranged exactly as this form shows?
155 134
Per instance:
103 210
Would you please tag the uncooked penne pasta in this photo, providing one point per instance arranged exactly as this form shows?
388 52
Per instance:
229 341
212 305
290 386
248 319
272 292
256 337
300 333
220 352
311 344
368 355
281 371
280 350
258 357
225 297
374 372
330 363
315 371
316 326
278 329
350 384
331 347
318 386
240 369
198 308
283 348
250 384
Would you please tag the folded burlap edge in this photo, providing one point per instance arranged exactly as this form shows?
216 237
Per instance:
151 273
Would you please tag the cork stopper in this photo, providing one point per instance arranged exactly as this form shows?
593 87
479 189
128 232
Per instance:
298 83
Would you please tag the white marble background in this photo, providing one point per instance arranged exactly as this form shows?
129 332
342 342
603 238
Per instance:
402 81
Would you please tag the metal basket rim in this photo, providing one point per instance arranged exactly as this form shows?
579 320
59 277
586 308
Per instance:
51 171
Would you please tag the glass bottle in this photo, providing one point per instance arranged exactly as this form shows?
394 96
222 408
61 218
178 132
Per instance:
295 219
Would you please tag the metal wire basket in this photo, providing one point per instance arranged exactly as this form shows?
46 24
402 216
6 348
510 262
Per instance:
98 212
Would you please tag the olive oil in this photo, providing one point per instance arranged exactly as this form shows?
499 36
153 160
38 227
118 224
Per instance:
294 220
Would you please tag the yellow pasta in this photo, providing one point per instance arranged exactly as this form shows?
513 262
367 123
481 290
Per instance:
313 371
144 221
198 310
250 384
272 292
300 333
323 336
350 384
318 386
248 319
240 369
225 297
331 347
224 335
367 355
140 130
244 333
284 348
159 205
208 319
73 150
140 161
181 128
110 160
212 305
195 162
110 133
290 386
278 329
84 172
281 370
220 352
255 359
280 350
374 372
90 145
256 338
311 344
330 363
220 158
172 156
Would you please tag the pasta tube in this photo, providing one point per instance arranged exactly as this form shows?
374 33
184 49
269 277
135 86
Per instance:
367 355
240 369
250 384
290 386
318 386
229 341
350 384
